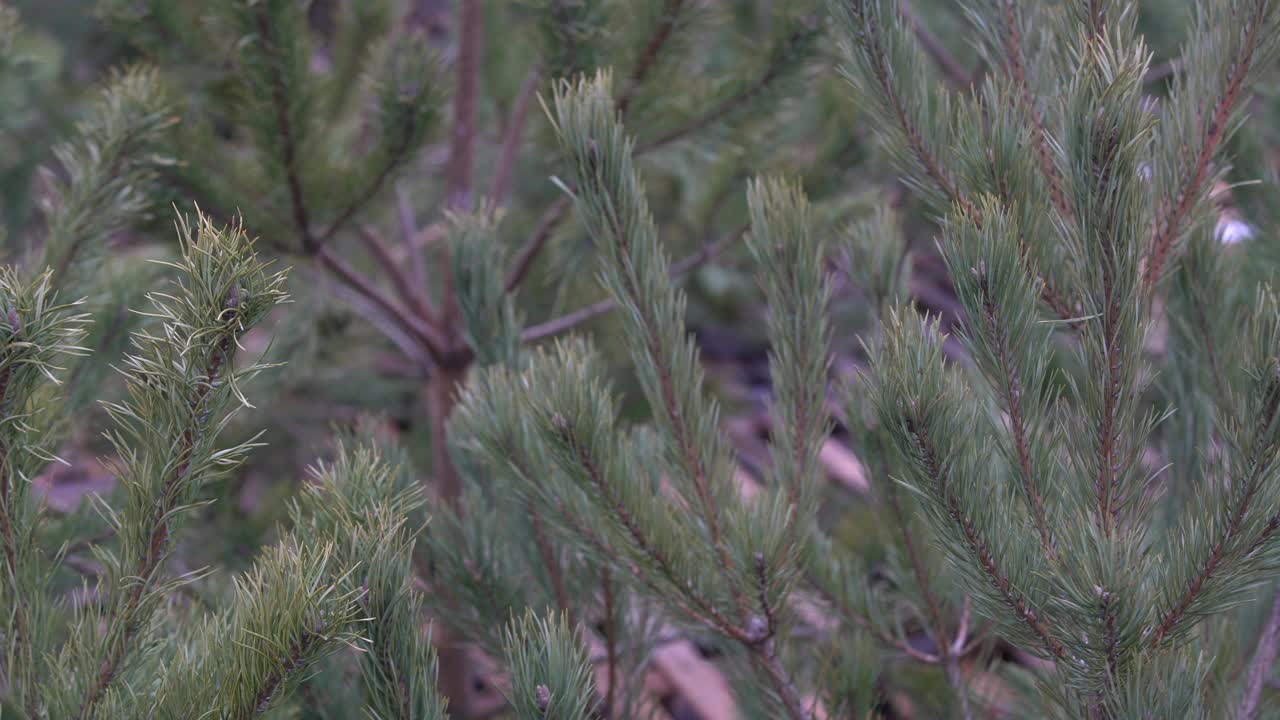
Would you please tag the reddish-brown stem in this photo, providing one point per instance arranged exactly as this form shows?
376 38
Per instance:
459 166
942 57
288 137
432 338
547 553
149 563
537 241
512 136
1259 463
1012 391
652 49
915 140
396 273
442 397
293 661
1013 598
1174 213
610 641
1018 70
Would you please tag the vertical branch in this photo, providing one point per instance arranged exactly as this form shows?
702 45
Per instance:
1018 70
610 641
1175 211
126 625
461 160
512 136
761 632
288 139
1012 390
666 24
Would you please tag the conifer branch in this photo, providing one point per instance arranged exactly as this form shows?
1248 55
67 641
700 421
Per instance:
771 73
1011 389
702 609
1018 71
670 13
1173 212
933 45
432 338
922 405
400 280
284 125
1263 448
980 549
459 166
223 290
35 333
864 26
537 241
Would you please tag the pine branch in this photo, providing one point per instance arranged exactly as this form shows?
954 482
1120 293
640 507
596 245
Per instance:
1039 136
921 405
36 333
1174 211
701 610
979 547
612 205
112 169
284 125
459 166
774 70
180 388
667 19
937 50
865 46
1263 449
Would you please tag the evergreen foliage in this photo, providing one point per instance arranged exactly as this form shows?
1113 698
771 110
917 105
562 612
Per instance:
1075 474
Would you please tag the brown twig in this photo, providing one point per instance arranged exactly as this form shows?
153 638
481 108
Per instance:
400 279
461 160
431 337
933 45
1011 387
288 140
537 241
512 136
915 140
610 641
652 49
